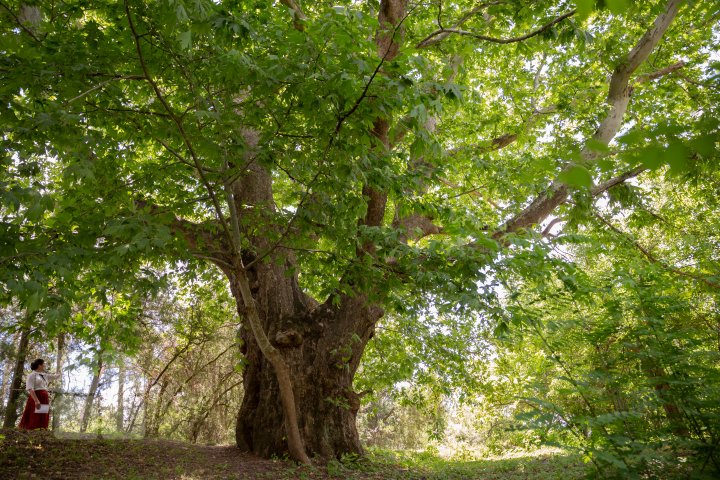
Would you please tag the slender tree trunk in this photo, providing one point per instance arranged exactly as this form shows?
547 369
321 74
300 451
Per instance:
147 413
7 371
58 402
11 414
134 410
153 419
120 419
135 407
3 389
97 372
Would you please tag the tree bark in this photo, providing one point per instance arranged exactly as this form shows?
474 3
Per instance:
6 380
58 402
120 418
97 372
11 413
147 412
322 348
153 413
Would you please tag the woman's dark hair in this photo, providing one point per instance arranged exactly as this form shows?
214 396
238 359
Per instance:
34 365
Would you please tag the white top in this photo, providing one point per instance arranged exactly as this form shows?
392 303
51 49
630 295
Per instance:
39 381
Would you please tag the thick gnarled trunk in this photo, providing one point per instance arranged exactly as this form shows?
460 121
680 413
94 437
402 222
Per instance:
321 346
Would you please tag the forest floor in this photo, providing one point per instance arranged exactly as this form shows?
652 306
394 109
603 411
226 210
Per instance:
42 455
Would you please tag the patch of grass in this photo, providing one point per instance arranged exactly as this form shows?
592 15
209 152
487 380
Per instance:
540 465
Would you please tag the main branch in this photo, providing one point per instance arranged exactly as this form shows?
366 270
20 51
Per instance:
618 98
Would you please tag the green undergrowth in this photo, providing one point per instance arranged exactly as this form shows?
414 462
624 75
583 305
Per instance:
538 465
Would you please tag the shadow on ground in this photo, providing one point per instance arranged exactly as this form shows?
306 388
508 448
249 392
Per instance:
39 454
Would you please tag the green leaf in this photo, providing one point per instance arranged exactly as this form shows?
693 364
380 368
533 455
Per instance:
453 92
597 146
185 39
605 165
584 8
35 210
618 7
576 176
32 303
651 157
705 144
181 14
676 156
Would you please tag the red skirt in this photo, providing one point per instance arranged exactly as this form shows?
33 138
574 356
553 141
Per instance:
31 420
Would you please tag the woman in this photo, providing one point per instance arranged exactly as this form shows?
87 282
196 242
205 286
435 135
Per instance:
36 385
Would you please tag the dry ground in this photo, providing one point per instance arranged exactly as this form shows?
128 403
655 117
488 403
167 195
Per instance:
42 455
39 454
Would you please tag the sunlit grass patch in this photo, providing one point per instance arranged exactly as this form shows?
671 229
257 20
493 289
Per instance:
544 464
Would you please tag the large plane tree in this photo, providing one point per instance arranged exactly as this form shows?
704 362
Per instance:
337 160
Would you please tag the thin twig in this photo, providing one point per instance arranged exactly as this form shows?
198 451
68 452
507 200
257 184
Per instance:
427 41
103 83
